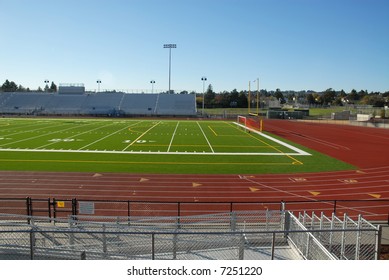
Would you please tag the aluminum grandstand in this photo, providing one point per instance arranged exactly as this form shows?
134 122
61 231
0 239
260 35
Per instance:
104 104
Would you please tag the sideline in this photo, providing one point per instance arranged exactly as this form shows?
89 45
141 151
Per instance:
293 148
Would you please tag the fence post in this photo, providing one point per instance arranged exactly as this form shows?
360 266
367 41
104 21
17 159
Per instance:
358 239
233 221
307 251
74 206
54 208
32 243
331 232
283 206
152 246
104 242
174 246
241 247
29 209
49 207
343 243
286 223
378 242
273 245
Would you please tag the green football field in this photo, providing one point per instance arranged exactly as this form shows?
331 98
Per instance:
151 146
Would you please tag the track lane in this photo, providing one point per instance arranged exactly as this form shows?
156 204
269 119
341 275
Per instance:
369 182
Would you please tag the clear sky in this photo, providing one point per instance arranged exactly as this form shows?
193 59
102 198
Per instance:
288 44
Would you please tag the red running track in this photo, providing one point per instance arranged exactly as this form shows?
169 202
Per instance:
362 147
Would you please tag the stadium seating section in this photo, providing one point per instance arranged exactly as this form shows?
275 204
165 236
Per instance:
112 104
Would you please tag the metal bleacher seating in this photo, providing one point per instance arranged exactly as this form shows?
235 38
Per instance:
108 103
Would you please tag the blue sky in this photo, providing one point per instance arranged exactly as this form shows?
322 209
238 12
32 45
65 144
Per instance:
288 44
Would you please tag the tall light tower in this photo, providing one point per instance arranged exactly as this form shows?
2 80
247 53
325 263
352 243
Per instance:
170 47
47 85
204 79
152 82
98 85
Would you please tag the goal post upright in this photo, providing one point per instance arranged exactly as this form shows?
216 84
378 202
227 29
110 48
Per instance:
249 99
242 120
258 96
255 99
251 121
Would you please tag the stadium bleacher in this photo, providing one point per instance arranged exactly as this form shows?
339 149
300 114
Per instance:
108 103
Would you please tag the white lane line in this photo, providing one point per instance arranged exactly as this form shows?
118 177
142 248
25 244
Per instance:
174 133
209 144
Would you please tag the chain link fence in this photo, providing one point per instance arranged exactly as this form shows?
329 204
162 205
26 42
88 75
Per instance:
272 235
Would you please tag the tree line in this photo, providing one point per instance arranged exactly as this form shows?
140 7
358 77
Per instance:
11 86
328 97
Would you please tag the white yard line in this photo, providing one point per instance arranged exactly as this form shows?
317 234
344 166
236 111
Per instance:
26 139
97 128
209 144
98 140
174 133
144 133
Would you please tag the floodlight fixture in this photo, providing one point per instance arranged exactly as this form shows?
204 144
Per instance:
204 79
47 85
98 85
170 47
152 82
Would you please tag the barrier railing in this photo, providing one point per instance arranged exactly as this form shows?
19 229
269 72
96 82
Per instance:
272 235
372 210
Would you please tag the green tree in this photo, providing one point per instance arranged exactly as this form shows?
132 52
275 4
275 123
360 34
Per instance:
353 95
53 87
310 99
234 98
225 99
279 95
21 88
373 99
242 100
209 97
9 86
328 96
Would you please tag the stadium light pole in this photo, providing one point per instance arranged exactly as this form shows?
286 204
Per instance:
170 47
204 80
152 82
47 85
98 85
